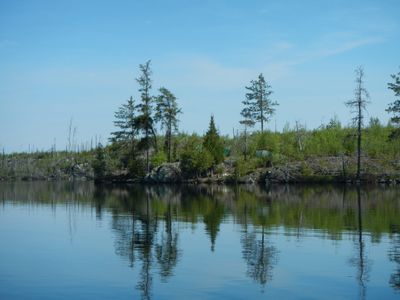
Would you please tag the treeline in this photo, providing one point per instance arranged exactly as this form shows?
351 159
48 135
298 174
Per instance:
137 148
147 135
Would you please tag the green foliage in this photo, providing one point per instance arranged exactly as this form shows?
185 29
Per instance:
297 144
144 122
167 114
258 107
99 163
213 143
125 121
243 167
325 142
136 167
158 159
394 107
195 159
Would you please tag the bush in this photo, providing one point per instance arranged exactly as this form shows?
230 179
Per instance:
136 167
99 163
158 159
195 159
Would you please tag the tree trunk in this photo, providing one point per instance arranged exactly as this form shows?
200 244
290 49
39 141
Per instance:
262 122
147 153
169 134
359 141
169 145
245 143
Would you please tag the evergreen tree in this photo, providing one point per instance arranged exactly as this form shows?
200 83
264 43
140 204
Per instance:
213 143
258 105
99 163
144 121
358 106
167 114
125 121
394 108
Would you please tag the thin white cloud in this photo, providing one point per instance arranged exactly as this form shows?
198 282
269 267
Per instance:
326 47
203 72
346 46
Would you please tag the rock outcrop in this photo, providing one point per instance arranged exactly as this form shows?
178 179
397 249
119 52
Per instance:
166 173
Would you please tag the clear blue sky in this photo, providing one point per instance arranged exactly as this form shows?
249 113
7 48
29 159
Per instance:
79 59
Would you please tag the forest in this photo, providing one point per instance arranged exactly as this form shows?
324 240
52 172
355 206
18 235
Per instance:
148 145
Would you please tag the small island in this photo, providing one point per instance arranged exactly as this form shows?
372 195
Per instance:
149 147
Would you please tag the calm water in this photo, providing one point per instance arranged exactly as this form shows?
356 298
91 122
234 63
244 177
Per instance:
76 241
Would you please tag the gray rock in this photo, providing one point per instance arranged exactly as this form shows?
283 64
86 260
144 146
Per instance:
166 173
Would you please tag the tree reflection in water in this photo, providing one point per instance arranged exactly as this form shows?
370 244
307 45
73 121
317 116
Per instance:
259 256
360 261
167 249
394 256
137 238
146 221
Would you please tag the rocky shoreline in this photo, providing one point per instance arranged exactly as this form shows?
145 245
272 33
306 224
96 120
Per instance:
316 170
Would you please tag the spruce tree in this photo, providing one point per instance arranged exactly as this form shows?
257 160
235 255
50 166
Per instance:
167 114
258 106
125 121
144 122
213 143
394 107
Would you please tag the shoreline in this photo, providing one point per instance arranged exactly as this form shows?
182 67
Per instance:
367 179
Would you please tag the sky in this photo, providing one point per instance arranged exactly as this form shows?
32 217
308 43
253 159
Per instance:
78 60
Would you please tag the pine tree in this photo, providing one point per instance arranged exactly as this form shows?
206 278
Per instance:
144 121
213 143
394 107
258 106
167 114
358 106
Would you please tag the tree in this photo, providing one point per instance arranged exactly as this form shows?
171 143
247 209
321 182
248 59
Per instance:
125 121
167 114
213 143
247 122
358 106
394 108
258 105
144 122
99 163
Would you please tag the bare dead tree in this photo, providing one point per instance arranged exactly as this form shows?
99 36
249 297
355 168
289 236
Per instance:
300 133
69 136
358 106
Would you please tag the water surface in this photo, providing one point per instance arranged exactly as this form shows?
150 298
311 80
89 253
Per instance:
78 241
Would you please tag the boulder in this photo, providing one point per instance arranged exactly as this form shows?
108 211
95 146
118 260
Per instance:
166 173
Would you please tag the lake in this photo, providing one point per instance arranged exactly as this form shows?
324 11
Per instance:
77 241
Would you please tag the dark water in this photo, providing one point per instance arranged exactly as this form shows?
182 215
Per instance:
76 241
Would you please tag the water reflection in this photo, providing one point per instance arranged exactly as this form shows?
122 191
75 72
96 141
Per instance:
360 261
394 256
260 257
146 221
136 225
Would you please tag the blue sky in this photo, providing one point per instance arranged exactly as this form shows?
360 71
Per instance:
79 59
